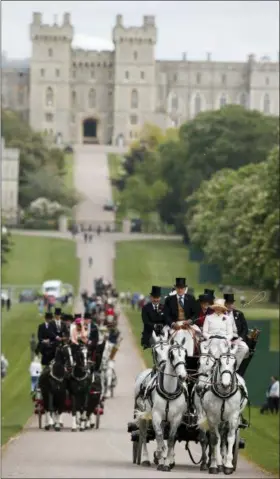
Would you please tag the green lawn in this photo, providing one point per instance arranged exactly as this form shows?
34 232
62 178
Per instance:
138 266
69 170
31 261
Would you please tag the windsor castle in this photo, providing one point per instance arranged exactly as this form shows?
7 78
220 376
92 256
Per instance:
78 95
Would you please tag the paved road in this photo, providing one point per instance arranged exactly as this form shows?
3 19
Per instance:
106 452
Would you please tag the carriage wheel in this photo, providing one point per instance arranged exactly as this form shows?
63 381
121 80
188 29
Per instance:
40 417
139 450
236 450
134 451
97 421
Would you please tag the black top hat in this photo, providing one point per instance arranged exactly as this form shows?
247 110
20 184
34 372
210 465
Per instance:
57 311
156 291
229 298
210 292
48 315
70 317
205 298
77 315
180 283
87 316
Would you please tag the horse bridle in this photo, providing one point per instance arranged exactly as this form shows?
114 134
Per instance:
161 343
180 348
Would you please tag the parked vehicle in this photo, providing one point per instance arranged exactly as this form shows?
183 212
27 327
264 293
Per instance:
54 288
28 296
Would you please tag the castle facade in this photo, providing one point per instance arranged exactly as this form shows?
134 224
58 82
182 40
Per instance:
76 95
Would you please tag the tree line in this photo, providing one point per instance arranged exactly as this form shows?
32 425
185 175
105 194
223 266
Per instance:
41 168
216 180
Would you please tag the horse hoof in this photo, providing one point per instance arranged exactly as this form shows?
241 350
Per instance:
61 425
228 470
145 463
91 426
73 430
213 470
172 465
47 428
203 467
160 467
57 428
155 459
166 468
220 468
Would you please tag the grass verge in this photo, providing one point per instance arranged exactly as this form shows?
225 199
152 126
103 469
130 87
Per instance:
159 262
69 171
31 261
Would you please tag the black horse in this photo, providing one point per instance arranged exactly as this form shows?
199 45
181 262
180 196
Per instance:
53 383
78 386
94 405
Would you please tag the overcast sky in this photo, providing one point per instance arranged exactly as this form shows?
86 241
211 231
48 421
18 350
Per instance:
229 30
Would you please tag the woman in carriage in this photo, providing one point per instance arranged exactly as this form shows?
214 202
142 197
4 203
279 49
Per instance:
78 334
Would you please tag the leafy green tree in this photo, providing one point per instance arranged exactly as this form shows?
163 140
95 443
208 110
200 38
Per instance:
234 218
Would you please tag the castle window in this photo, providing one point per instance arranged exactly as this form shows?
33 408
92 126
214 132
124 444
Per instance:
42 71
224 79
223 101
126 75
135 55
198 78
92 98
243 100
49 117
49 96
197 104
267 81
174 103
74 99
134 99
266 104
133 120
57 72
142 75
50 52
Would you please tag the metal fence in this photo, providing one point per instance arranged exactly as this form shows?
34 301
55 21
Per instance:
13 291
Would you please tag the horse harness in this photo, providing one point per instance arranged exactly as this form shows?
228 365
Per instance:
158 385
213 386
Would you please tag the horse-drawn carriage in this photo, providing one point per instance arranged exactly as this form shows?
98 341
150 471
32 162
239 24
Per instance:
69 387
189 429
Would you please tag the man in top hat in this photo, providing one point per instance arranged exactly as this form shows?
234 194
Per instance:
58 327
151 315
211 294
180 306
240 329
46 339
204 301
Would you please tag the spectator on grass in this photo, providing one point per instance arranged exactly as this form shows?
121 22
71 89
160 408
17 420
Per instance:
8 304
273 399
35 370
265 405
4 366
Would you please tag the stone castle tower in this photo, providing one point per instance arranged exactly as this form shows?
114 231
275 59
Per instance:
76 93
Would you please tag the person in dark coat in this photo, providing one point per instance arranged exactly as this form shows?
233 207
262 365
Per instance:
151 315
58 327
211 294
239 318
46 340
180 306
203 305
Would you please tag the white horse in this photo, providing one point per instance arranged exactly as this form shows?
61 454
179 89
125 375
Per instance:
221 396
107 369
166 404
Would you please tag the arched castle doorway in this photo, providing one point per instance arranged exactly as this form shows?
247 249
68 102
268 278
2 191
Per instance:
90 127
